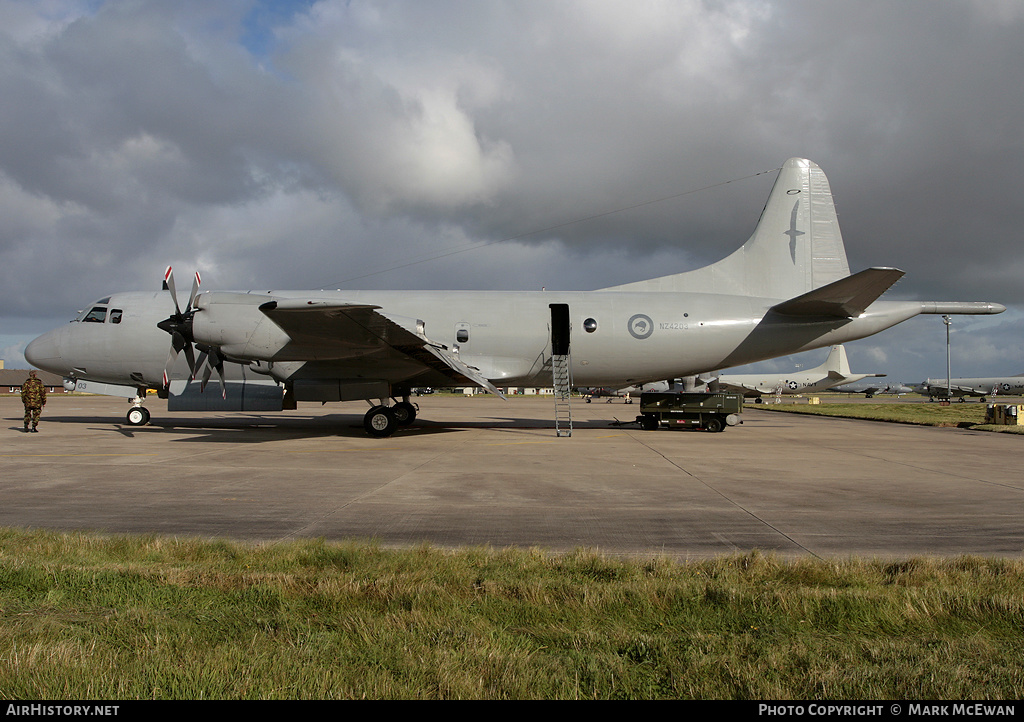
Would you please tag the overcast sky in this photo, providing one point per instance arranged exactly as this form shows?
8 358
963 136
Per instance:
486 144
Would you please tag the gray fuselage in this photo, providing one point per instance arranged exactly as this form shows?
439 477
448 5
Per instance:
617 338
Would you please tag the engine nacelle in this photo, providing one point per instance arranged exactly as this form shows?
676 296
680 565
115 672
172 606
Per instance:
234 324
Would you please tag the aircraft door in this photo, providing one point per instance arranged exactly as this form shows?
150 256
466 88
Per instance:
560 327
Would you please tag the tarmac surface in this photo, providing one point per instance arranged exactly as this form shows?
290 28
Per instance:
480 471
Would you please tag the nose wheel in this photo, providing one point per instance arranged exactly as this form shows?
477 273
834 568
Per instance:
137 416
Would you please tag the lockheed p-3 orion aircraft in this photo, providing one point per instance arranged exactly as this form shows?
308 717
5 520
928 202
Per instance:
788 289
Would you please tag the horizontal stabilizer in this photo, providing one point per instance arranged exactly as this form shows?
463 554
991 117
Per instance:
846 298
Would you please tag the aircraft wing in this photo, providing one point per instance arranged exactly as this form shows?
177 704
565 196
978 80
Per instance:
966 390
737 388
846 298
344 330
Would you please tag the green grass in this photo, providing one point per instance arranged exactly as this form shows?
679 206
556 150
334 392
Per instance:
967 415
113 617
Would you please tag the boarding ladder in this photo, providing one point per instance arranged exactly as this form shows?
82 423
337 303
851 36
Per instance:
562 378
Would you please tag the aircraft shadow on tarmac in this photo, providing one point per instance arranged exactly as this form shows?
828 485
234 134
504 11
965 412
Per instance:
257 429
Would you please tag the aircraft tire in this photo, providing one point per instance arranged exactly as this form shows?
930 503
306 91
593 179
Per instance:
380 422
137 416
405 413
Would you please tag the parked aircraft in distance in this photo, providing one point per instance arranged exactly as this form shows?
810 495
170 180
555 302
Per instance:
835 371
871 389
788 289
590 393
983 387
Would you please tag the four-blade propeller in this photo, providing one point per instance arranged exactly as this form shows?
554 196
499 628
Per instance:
179 326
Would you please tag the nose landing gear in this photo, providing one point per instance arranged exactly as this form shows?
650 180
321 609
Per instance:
138 415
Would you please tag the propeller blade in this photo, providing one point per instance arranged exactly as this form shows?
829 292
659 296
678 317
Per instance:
190 357
167 366
207 372
218 363
199 365
211 361
180 343
195 291
169 285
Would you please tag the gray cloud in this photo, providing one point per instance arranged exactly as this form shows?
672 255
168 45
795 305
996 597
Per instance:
314 144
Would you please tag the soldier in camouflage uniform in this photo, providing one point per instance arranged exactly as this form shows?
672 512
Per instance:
33 395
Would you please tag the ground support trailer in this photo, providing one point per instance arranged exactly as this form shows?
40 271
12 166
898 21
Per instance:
708 411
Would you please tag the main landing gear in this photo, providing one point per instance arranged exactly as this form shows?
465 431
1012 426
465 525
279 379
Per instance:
382 421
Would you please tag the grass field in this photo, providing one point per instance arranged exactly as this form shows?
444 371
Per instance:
967 415
100 617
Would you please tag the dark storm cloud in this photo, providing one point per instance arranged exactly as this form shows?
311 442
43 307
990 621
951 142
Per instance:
313 144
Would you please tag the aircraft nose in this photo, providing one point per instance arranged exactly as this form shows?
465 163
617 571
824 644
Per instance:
44 352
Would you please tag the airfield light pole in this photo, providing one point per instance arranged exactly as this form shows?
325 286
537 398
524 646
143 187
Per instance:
949 379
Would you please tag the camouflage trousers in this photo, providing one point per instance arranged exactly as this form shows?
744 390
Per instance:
32 416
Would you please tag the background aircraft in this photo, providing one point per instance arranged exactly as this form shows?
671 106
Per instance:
599 392
835 371
983 387
870 389
787 289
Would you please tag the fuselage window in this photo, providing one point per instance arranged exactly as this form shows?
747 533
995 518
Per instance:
590 325
462 335
115 315
97 315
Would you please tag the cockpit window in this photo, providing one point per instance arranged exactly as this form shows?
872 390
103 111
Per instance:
97 314
115 315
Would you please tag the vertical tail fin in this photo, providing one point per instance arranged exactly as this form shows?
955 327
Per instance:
795 248
836 363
